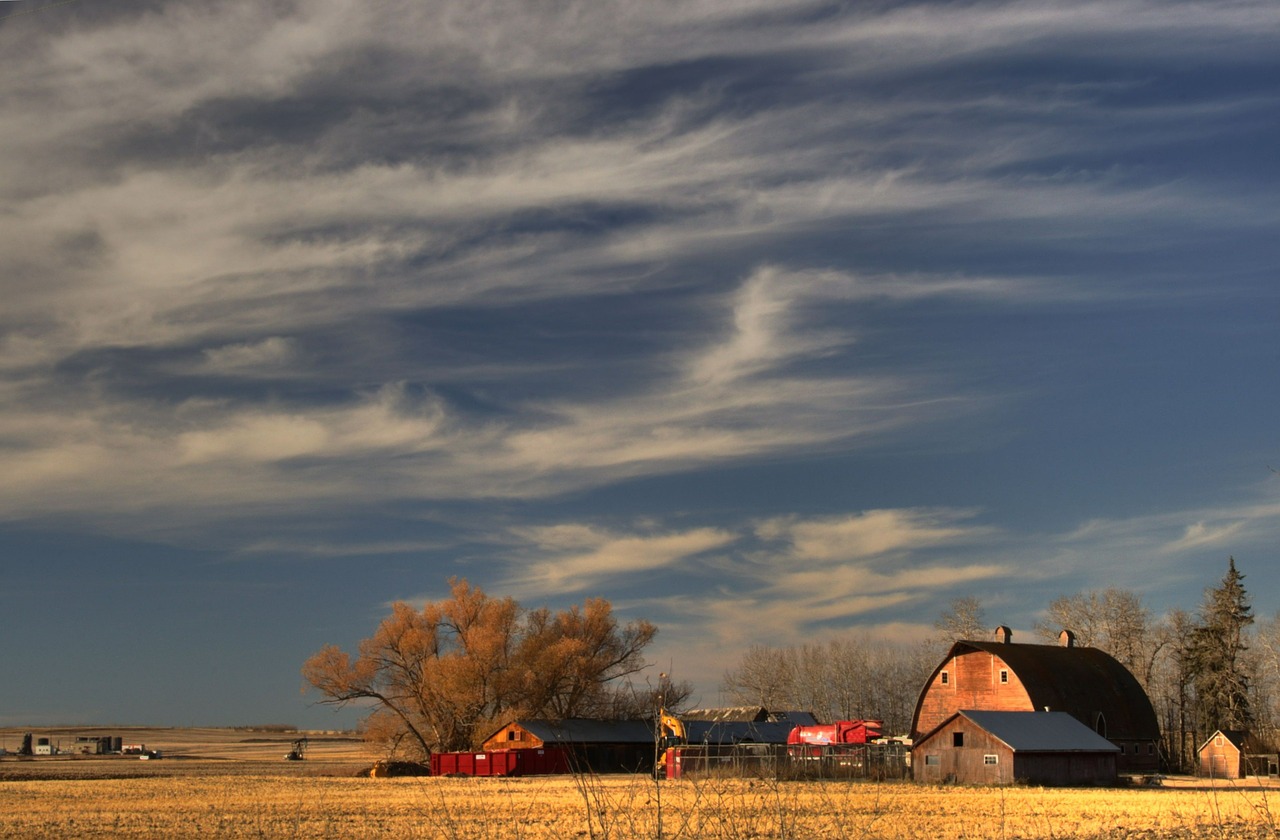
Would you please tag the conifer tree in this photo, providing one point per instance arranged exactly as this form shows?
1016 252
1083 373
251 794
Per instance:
1216 659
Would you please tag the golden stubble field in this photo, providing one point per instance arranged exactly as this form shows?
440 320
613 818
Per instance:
232 784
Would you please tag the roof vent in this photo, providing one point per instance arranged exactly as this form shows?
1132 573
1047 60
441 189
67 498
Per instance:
1067 639
1003 634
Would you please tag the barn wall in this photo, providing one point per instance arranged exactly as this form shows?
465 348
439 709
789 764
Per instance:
1220 759
512 737
973 682
936 760
1065 768
1137 756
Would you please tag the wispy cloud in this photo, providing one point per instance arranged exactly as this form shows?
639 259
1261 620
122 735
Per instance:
869 534
579 557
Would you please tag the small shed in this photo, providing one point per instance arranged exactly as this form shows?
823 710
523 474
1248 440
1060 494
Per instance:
1234 754
1000 748
1222 756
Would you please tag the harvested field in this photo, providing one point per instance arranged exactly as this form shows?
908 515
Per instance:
234 783
325 799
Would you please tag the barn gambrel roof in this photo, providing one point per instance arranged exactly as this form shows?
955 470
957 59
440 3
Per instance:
1081 681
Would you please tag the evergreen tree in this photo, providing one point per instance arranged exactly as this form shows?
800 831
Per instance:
1216 660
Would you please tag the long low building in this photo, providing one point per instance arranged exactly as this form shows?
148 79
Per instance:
600 746
1045 748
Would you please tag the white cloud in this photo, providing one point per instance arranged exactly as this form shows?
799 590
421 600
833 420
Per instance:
581 556
1201 535
860 536
269 354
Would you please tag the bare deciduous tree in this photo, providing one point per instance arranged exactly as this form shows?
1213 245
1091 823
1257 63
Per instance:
1114 620
964 619
443 677
845 678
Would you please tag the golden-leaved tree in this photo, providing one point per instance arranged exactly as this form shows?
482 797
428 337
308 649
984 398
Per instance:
444 677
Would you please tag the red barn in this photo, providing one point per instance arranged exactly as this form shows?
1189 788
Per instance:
1086 683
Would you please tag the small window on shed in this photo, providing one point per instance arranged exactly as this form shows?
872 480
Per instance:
946 678
1217 740
1004 675
991 759
512 736
957 739
1151 749
931 761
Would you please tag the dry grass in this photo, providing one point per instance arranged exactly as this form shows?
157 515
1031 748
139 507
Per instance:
234 784
252 799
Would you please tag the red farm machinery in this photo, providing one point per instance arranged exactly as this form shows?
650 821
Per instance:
840 732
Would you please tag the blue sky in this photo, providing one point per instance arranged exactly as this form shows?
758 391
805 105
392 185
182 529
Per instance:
766 321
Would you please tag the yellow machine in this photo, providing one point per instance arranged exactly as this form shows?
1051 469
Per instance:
670 734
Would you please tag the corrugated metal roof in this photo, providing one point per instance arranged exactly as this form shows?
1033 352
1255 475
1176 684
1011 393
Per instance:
794 717
1040 731
588 731
741 714
750 714
737 732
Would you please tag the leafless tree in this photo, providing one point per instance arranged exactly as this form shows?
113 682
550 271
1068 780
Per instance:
445 676
965 618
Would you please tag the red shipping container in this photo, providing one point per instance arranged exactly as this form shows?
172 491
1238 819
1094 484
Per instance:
525 762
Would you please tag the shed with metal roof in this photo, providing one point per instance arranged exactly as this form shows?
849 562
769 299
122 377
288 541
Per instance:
1000 748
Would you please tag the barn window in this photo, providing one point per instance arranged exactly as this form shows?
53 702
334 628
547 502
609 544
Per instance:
1100 725
946 678
1217 740
512 736
990 759
1151 749
931 761
957 739
1004 675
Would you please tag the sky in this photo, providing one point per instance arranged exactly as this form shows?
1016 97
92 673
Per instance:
769 321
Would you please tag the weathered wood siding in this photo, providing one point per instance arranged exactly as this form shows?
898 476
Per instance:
1062 769
972 682
937 760
1220 759
512 737
983 759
